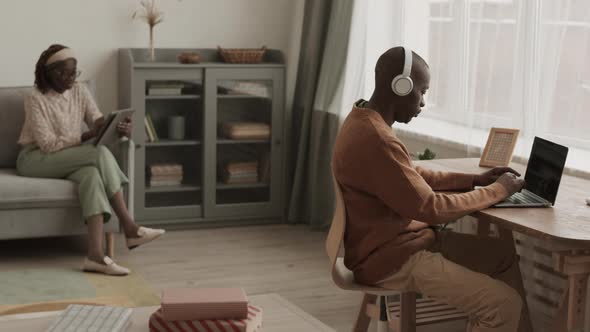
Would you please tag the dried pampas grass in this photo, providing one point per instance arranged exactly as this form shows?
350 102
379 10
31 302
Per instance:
151 15
149 12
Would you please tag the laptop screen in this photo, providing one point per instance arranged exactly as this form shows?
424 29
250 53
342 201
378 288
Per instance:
544 169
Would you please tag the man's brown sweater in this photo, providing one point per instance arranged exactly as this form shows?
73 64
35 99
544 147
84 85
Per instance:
388 201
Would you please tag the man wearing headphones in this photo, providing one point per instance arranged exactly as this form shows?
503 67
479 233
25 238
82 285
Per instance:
393 207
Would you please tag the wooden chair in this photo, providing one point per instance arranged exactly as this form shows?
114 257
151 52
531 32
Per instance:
403 315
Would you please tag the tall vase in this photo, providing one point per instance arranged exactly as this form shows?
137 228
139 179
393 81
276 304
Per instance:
152 53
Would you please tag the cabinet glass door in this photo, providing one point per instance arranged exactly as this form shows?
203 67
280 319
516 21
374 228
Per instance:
247 144
172 138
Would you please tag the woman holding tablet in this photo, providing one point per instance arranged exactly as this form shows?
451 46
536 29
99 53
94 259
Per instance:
51 147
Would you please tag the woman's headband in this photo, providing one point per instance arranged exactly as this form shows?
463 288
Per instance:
60 55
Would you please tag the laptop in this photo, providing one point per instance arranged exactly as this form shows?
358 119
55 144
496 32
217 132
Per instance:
542 177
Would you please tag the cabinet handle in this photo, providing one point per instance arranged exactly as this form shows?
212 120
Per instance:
138 146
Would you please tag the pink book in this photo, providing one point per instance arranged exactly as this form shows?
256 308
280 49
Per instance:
251 324
204 303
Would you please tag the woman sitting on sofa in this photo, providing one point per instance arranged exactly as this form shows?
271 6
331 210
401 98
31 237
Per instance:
51 147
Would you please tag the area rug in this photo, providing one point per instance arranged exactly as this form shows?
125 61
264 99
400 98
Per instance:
278 315
56 285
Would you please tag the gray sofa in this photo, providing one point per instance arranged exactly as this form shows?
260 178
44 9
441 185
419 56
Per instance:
34 207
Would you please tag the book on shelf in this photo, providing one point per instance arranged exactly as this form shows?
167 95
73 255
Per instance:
167 177
165 169
245 130
164 183
249 88
264 167
148 132
152 128
245 179
240 173
242 167
204 303
164 174
172 88
165 88
165 91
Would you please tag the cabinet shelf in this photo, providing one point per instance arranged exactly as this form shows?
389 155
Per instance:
241 96
221 186
160 97
169 142
163 189
242 141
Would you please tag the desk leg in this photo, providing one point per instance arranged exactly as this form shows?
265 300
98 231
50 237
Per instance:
577 300
506 236
572 309
560 322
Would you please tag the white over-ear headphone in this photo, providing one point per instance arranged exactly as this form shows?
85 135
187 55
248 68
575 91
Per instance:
402 84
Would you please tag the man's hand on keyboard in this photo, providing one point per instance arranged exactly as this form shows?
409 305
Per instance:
511 182
489 177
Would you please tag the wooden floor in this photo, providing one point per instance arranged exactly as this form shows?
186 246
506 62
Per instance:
288 260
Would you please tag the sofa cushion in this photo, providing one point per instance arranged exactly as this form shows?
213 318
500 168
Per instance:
19 192
12 117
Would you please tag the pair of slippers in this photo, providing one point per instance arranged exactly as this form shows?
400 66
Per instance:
109 267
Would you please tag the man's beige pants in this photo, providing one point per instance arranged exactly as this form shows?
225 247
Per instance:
479 275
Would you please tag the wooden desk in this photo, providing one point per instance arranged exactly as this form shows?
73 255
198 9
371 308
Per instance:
567 223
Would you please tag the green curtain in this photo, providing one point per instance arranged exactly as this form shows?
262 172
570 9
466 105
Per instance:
322 60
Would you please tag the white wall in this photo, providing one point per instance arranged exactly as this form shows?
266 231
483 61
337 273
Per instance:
96 29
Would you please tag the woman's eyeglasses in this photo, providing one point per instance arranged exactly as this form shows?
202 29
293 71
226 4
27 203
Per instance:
64 73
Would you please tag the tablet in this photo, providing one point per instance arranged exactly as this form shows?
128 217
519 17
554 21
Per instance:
108 133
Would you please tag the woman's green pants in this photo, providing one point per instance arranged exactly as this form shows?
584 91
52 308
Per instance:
94 168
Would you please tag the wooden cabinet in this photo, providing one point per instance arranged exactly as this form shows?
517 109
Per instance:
202 116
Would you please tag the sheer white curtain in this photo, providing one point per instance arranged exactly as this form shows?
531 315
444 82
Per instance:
564 58
504 63
373 31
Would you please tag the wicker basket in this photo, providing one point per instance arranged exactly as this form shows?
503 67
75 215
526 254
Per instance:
242 55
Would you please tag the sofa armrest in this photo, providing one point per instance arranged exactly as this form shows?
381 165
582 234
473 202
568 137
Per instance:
124 152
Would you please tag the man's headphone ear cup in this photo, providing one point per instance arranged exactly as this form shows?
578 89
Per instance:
402 85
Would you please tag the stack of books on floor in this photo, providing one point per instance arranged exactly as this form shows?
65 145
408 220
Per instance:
240 172
165 175
245 130
206 310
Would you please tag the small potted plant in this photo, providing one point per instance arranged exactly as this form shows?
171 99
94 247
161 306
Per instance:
426 155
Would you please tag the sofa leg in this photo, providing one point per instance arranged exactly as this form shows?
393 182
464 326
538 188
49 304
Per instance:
110 237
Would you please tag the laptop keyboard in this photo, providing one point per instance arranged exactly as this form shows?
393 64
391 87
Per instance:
523 198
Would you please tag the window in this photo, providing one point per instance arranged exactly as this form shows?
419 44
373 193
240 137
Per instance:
506 63
565 70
